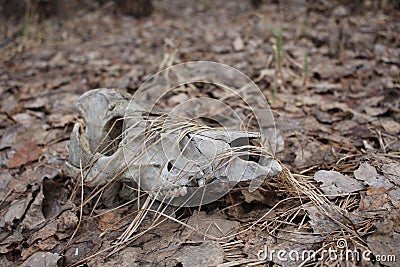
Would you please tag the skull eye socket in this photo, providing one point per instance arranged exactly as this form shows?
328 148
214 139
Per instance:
112 136
169 165
243 144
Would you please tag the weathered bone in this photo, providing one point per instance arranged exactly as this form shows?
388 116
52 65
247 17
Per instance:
160 166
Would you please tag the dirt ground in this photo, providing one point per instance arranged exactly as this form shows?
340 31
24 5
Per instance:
330 71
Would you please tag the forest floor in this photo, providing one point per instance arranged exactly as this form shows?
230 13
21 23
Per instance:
331 74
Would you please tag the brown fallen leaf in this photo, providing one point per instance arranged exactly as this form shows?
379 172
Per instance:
61 228
392 172
390 126
321 223
16 211
385 240
370 176
268 198
42 259
64 120
374 199
127 257
209 253
41 245
11 242
30 152
334 183
214 225
66 223
34 218
365 172
19 136
288 241
47 231
108 220
376 111
394 196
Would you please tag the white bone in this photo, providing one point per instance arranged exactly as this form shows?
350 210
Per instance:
162 168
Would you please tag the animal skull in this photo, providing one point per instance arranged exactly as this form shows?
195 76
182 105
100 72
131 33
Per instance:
181 165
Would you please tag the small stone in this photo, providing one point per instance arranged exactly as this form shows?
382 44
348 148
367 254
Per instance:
238 44
340 11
